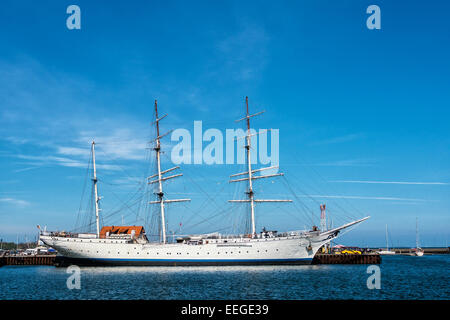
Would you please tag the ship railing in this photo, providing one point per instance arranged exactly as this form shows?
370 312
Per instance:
119 236
61 234
64 234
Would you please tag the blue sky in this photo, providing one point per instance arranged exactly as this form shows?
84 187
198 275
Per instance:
363 114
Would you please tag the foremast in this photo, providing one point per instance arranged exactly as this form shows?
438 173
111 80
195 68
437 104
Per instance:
160 193
250 177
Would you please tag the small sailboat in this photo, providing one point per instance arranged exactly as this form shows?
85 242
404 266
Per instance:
418 251
387 251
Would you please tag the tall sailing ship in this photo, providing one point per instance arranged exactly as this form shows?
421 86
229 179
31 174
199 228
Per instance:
129 245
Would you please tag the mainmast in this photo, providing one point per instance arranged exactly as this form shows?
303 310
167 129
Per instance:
160 174
97 198
250 177
250 184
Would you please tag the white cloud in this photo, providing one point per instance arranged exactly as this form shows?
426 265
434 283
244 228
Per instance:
244 54
341 139
15 202
39 161
72 151
346 163
120 144
17 140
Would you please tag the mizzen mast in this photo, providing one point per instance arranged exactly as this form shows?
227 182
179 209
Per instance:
250 177
161 201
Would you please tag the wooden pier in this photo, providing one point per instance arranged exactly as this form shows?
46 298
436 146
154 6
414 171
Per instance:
44 260
325 258
320 258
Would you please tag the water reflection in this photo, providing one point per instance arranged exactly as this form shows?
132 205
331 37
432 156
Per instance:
401 278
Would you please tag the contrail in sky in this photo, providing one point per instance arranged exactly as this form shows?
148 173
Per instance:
361 197
390 182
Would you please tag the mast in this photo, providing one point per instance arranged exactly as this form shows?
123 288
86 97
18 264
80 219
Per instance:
160 174
323 223
250 185
323 219
417 234
387 243
250 193
97 198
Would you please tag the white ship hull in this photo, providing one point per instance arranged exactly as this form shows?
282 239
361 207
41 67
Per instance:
234 251
299 249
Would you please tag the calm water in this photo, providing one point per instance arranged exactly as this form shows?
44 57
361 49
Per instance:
402 277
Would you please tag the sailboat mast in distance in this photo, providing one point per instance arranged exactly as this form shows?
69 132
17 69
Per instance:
386 252
417 234
387 242
418 252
